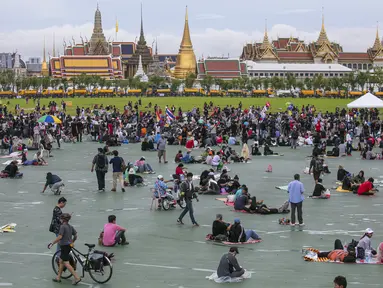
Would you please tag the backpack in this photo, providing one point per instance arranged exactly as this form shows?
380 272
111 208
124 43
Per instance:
318 165
101 161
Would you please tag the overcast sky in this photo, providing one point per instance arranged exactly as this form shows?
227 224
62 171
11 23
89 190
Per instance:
218 27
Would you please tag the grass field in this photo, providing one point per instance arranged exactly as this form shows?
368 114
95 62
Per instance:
187 103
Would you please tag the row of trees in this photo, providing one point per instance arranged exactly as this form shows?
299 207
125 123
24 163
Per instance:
350 82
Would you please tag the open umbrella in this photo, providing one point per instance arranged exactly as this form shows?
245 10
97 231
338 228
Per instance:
49 119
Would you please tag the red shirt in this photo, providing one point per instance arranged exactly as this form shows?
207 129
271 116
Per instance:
179 171
364 187
190 144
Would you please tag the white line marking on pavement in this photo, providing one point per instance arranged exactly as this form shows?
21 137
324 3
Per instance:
6 284
26 253
155 266
204 270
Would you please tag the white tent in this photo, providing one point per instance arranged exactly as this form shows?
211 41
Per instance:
366 101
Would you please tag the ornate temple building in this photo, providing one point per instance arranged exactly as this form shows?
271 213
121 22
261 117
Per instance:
294 50
96 57
223 68
186 60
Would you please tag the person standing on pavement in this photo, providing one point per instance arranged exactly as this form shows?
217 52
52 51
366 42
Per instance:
161 147
316 166
187 191
56 223
118 167
295 190
66 237
100 161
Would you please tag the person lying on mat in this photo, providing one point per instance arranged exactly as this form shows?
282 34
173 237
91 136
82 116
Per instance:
237 233
339 254
367 188
220 228
229 266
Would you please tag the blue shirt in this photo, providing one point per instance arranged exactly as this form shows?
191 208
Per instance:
160 188
116 163
238 193
295 190
241 202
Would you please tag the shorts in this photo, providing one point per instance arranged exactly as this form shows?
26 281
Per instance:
65 251
161 153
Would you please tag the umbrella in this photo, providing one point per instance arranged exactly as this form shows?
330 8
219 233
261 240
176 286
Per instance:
49 119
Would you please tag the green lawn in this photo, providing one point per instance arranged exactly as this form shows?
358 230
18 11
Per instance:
188 103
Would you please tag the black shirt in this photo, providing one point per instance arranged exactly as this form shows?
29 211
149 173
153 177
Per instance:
219 228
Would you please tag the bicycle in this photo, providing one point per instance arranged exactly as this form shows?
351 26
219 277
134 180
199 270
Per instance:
94 262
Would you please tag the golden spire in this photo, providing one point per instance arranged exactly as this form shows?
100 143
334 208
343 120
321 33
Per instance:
322 35
44 65
186 61
266 42
54 46
377 45
186 40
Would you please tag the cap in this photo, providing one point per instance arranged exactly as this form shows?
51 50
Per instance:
131 171
160 177
237 220
234 249
142 158
369 231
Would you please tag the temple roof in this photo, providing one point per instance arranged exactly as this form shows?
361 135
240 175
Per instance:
322 35
186 39
377 44
353 56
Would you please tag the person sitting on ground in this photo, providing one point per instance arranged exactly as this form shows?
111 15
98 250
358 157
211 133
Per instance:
342 149
239 191
54 182
341 173
143 167
319 190
255 149
220 228
339 254
238 234
145 145
334 152
267 151
340 282
12 170
209 158
370 155
358 179
113 234
365 242
243 202
367 188
229 266
134 179
178 157
205 176
181 172
38 158
215 161
211 187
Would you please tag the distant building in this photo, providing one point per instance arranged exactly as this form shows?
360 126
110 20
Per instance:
12 61
223 68
321 51
34 66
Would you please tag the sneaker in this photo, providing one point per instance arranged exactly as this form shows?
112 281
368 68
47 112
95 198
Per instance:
301 224
196 225
125 243
166 162
113 190
123 189
179 221
292 224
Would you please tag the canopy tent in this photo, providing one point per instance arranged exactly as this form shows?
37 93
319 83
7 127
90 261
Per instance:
366 101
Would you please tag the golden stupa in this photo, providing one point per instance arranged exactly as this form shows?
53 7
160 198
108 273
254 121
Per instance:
186 61
44 65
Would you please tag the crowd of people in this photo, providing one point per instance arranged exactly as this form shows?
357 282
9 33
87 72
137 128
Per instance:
218 131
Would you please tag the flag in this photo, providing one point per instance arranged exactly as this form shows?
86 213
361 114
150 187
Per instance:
158 116
170 114
116 26
264 110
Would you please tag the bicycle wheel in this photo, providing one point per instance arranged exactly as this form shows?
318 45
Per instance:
104 274
55 265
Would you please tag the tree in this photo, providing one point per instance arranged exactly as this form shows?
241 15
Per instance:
378 77
206 83
361 79
175 85
156 81
256 83
218 82
189 80
45 82
266 83
291 81
308 83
